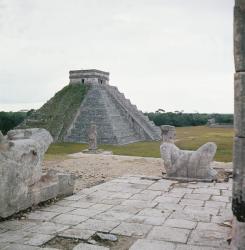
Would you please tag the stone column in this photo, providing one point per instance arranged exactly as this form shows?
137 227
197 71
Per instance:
238 199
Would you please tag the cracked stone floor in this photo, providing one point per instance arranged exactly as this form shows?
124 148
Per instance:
155 213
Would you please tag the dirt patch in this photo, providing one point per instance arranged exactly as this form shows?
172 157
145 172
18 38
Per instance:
90 170
123 243
63 243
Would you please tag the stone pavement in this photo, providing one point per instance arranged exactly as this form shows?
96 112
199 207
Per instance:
155 213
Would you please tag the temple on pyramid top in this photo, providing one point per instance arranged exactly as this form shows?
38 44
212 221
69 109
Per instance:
89 76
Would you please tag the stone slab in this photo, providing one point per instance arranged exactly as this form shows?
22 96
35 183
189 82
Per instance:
180 223
169 234
97 225
84 246
144 244
69 219
77 233
37 239
210 238
131 229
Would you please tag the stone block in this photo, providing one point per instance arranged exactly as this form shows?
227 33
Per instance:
139 203
215 204
202 197
69 219
180 223
239 36
143 244
239 95
169 234
152 212
192 216
97 225
148 220
211 191
66 184
21 247
209 238
48 228
37 239
113 216
42 215
85 212
190 202
76 233
131 229
130 210
84 246
167 199
202 226
191 247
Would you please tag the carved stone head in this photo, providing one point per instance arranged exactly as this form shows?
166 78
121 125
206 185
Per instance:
168 133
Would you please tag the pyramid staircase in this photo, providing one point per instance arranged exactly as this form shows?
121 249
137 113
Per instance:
118 121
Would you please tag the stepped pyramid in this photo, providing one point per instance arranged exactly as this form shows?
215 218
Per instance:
117 120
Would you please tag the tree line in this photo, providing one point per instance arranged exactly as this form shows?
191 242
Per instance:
180 119
9 120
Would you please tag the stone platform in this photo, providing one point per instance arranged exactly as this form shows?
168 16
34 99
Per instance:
151 213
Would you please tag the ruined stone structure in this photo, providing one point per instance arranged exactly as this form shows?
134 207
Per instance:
116 119
185 164
238 203
22 182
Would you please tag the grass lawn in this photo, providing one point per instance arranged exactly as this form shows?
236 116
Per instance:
187 138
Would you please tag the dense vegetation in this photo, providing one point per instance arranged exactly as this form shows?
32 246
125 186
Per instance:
179 119
9 120
57 114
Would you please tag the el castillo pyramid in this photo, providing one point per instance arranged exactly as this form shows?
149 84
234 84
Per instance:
89 98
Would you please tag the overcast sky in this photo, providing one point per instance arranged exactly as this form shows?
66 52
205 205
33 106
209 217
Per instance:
169 54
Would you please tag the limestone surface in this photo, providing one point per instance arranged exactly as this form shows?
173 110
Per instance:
191 226
183 163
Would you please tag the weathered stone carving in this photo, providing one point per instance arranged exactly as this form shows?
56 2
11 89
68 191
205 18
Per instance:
92 137
183 163
22 182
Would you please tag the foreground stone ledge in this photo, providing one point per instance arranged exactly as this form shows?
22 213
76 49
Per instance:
22 183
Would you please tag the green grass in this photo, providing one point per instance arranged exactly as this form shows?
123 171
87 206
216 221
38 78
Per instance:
187 138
